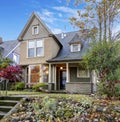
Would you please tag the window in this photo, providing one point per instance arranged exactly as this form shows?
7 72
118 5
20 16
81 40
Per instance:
35 48
16 58
75 47
35 30
82 73
39 48
31 46
34 74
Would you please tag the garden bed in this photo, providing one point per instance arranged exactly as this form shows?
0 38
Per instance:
62 109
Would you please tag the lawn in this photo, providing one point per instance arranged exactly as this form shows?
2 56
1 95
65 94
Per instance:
46 107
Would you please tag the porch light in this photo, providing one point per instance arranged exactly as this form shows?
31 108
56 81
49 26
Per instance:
61 67
46 72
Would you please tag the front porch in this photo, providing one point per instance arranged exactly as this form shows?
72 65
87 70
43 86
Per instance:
64 76
61 76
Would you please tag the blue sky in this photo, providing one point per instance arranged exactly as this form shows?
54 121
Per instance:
15 13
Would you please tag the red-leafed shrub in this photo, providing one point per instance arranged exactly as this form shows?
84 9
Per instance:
12 73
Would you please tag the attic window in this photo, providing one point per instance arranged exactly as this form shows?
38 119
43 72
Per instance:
75 47
35 30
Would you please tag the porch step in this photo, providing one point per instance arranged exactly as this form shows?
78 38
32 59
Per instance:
8 102
2 114
5 108
10 98
58 91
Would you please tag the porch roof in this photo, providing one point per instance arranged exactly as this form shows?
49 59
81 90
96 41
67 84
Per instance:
65 54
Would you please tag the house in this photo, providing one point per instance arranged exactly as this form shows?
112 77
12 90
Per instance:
10 49
54 59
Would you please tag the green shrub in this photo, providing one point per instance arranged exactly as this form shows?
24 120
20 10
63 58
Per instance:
40 86
118 90
19 85
100 89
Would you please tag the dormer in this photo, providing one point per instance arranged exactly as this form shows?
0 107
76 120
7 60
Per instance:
75 44
75 47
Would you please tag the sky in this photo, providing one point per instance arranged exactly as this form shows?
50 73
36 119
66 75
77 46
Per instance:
15 13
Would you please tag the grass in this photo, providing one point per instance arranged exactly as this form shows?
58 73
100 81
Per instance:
78 97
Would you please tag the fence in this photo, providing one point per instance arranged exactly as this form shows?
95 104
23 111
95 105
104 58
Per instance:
3 86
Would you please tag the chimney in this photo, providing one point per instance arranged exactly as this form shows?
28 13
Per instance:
1 40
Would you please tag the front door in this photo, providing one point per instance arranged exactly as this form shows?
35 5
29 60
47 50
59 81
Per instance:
62 79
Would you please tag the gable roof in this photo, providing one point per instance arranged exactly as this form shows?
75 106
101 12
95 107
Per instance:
28 24
8 47
65 54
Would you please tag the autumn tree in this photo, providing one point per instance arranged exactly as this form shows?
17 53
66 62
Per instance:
100 17
8 71
12 73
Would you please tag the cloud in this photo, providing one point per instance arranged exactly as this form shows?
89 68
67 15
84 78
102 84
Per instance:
47 16
66 10
56 30
60 15
47 13
60 1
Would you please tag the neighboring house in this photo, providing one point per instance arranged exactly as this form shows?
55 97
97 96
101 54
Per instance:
54 59
10 49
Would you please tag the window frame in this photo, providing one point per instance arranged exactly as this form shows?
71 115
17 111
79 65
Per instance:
30 73
72 47
82 70
16 58
35 48
33 30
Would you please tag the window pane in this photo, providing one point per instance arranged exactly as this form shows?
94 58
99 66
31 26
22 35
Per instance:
82 73
35 74
39 43
39 51
75 47
31 52
31 44
35 30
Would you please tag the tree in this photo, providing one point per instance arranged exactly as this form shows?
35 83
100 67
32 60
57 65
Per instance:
99 17
104 58
4 62
12 73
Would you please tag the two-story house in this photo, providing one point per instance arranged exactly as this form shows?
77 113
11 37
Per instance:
54 59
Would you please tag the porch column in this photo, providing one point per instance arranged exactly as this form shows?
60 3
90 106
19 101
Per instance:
94 81
49 81
29 72
41 73
67 73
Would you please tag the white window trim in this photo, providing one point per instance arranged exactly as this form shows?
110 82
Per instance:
72 50
79 76
35 40
35 26
18 57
